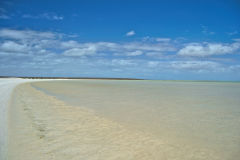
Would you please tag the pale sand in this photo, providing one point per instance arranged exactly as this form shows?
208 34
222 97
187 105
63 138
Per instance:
6 87
43 127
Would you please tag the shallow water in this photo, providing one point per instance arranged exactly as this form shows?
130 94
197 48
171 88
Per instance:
203 114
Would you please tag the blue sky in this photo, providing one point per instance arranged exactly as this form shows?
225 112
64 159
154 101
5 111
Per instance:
169 39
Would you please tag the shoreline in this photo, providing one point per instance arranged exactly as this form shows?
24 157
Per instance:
77 78
151 106
51 129
111 78
7 87
42 125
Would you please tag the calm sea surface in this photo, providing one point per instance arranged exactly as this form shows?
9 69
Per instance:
205 114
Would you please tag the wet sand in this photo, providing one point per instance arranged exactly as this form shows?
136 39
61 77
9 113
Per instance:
97 119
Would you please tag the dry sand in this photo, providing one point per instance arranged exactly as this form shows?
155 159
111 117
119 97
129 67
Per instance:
6 87
44 127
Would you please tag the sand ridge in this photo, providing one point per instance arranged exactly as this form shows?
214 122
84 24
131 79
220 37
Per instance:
42 127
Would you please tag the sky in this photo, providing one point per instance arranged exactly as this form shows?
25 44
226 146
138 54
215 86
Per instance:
149 39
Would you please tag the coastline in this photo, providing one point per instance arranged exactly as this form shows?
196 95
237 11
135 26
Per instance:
44 127
7 86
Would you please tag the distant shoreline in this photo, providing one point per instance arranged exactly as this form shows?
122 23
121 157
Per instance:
104 78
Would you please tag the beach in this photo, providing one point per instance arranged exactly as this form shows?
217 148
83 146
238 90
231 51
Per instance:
6 87
119 80
110 119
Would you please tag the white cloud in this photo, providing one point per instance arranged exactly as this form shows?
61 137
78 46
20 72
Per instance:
208 49
123 62
188 66
153 64
195 65
48 16
10 46
45 41
45 51
86 51
25 34
158 39
158 47
130 33
154 54
69 44
163 39
121 49
235 68
134 53
57 17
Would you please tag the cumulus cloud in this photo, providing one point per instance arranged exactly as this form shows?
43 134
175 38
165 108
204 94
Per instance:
121 49
208 49
25 34
86 51
44 51
130 33
69 44
44 42
10 46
